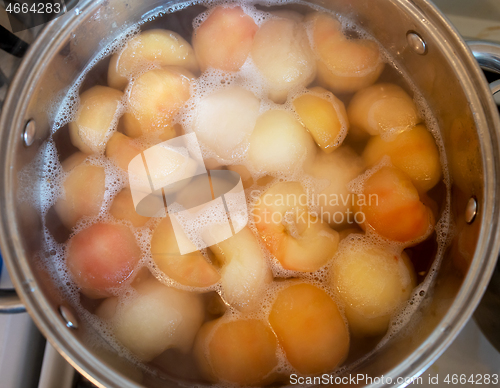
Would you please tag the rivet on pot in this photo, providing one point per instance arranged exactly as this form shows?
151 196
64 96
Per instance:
29 285
416 43
29 133
471 210
68 317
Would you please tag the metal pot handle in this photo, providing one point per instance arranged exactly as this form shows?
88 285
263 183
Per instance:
9 301
488 56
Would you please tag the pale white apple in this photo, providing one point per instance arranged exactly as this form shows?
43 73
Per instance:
280 144
282 54
372 282
245 272
155 319
224 120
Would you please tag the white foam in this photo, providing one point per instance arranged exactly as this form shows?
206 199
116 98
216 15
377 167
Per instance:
43 192
67 106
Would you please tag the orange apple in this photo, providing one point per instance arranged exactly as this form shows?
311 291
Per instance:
324 116
310 329
223 41
191 269
84 189
393 209
344 65
121 150
241 352
158 46
382 109
298 240
96 113
413 151
123 208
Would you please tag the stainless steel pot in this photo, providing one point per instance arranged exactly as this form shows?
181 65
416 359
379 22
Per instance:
421 41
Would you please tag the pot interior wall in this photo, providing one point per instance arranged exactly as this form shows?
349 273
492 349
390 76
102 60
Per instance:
438 74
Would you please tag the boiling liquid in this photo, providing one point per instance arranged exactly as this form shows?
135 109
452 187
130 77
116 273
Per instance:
425 256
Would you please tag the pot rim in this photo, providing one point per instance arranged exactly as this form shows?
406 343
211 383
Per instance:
54 328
